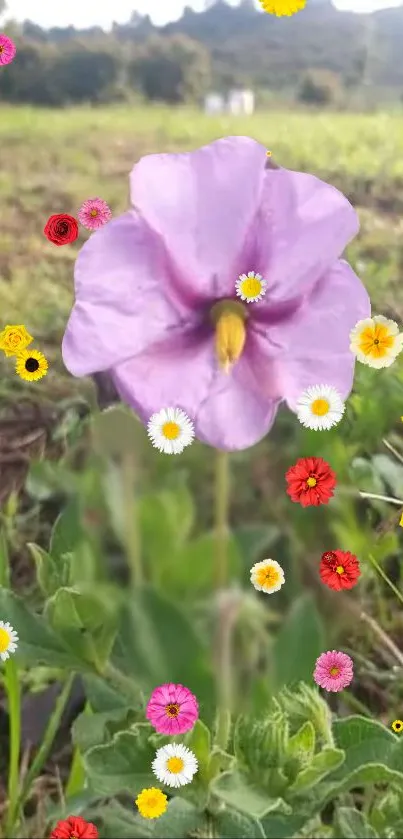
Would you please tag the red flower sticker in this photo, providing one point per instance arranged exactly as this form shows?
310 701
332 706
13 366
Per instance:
61 229
310 481
339 570
74 827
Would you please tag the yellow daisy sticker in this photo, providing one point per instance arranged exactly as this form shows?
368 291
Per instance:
13 339
376 341
151 803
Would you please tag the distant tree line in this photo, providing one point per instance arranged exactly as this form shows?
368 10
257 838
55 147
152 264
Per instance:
173 69
318 57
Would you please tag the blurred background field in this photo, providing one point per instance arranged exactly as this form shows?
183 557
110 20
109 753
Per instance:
132 516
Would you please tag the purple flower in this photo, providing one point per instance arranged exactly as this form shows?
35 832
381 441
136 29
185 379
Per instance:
156 299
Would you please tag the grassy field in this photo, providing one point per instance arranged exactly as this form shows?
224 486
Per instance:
56 451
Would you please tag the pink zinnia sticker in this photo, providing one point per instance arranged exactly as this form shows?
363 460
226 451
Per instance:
172 709
334 670
7 49
94 213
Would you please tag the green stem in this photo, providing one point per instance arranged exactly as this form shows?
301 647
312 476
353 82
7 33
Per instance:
386 578
47 742
222 494
13 688
131 522
224 630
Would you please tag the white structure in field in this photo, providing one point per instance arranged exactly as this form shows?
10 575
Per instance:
238 103
214 103
241 102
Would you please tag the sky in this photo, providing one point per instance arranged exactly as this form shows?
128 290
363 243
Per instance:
83 13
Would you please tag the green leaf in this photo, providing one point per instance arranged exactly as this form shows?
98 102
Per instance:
51 572
103 697
122 822
198 740
156 643
321 765
235 790
180 820
302 744
38 644
123 764
373 755
283 826
299 643
352 824
46 479
194 565
231 824
67 531
4 560
86 622
391 472
93 729
254 539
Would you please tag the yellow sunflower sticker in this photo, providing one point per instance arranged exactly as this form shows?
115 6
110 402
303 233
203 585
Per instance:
282 8
31 365
397 726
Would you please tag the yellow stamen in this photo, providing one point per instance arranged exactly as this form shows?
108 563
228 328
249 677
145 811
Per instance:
268 577
175 765
334 671
170 430
172 709
339 569
320 407
230 332
4 640
311 482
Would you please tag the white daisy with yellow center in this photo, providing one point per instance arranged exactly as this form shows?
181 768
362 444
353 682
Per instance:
170 430
320 407
8 640
267 576
174 765
251 287
376 341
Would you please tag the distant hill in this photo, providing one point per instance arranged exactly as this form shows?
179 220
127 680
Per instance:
241 45
270 51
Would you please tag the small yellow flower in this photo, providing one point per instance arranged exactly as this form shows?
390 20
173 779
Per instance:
267 576
283 8
397 726
152 803
401 520
31 365
13 339
376 341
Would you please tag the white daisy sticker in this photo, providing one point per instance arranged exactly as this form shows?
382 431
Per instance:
320 407
170 430
174 765
251 287
8 640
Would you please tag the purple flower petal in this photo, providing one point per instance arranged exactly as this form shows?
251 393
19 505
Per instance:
202 203
316 343
230 411
122 297
302 227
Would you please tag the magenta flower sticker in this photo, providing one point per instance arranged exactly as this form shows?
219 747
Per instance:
94 213
7 49
172 709
334 671
156 302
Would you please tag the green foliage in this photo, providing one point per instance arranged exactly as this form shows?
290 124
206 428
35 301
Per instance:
171 69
